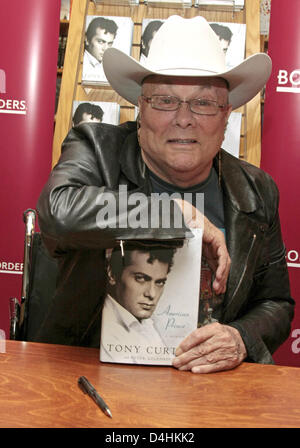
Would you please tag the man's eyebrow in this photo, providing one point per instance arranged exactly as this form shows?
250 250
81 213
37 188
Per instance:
163 279
147 277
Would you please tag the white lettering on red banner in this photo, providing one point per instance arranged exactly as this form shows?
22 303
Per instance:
10 106
9 267
293 258
13 107
296 343
288 81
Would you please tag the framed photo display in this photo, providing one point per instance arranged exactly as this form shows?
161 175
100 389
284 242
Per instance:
102 32
95 111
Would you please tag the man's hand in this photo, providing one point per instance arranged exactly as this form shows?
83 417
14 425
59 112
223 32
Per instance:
216 254
214 245
210 348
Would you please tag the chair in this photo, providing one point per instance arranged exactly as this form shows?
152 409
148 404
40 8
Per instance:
38 284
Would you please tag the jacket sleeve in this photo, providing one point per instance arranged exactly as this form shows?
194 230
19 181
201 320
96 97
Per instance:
264 322
82 207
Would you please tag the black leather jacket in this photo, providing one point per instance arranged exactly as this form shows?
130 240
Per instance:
97 158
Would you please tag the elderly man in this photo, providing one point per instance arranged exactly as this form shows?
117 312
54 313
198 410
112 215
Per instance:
185 96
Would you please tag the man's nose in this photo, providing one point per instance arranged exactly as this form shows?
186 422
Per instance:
150 291
105 46
184 116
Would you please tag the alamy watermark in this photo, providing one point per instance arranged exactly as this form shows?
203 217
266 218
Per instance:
123 209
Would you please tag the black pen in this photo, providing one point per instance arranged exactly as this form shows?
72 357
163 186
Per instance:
87 388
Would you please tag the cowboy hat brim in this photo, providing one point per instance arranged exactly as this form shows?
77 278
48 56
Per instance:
125 75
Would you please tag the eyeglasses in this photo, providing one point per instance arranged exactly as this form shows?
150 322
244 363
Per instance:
200 106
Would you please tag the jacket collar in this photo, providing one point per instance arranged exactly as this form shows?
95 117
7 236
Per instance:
235 183
131 162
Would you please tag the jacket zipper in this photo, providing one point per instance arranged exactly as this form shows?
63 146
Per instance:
245 267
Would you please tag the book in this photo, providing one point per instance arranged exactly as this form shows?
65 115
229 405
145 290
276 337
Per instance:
95 111
232 38
102 32
62 43
231 142
223 4
152 301
149 28
169 3
65 9
265 11
117 2
57 91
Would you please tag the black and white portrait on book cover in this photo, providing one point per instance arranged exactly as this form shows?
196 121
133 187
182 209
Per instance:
152 301
103 32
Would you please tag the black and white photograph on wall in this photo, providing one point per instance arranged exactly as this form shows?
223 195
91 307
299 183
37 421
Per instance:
152 299
95 111
103 32
232 38
169 3
149 28
232 138
233 5
65 10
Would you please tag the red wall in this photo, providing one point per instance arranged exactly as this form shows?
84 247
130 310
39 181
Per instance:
281 146
29 33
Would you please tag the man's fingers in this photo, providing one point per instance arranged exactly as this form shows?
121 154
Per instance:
211 362
210 348
196 337
221 274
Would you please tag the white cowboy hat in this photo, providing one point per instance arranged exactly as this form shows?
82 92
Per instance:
186 47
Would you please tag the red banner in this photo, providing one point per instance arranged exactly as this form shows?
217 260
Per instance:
29 33
281 146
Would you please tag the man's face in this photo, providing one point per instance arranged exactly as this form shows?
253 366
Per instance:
179 146
141 285
99 43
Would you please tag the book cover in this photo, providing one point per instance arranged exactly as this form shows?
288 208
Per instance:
152 301
265 11
231 142
117 2
102 32
62 43
233 4
149 28
232 38
169 3
65 10
95 111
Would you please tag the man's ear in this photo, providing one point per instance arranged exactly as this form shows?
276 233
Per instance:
140 100
111 278
229 110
